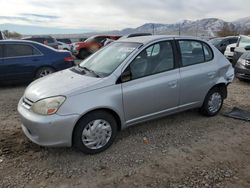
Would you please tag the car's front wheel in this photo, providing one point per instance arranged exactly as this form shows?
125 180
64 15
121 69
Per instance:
213 102
95 132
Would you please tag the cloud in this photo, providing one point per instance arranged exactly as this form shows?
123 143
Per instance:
117 14
40 16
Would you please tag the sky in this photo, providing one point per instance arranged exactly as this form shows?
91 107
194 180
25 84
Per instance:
100 15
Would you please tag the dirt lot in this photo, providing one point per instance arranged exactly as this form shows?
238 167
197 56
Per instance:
183 150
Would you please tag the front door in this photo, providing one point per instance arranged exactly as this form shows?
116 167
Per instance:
154 86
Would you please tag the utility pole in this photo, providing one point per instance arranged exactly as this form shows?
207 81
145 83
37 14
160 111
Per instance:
153 28
179 29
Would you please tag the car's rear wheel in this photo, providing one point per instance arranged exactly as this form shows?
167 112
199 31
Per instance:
44 71
213 102
83 54
95 132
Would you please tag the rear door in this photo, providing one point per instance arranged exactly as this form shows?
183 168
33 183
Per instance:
20 61
198 72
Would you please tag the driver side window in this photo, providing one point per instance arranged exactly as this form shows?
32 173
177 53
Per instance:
155 59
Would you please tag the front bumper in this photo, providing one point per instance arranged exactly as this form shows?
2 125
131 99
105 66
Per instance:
242 72
54 130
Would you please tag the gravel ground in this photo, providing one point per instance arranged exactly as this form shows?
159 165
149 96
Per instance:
182 150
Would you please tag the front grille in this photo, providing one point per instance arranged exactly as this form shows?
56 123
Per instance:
27 103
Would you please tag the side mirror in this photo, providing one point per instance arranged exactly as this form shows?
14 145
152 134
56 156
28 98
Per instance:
247 48
126 76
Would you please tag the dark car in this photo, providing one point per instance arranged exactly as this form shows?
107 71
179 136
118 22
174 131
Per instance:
64 40
47 40
243 45
26 60
2 36
242 67
222 43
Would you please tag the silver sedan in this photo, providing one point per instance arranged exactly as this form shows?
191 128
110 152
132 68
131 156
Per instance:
130 81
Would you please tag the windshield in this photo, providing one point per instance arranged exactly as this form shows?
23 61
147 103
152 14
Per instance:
107 60
215 41
244 41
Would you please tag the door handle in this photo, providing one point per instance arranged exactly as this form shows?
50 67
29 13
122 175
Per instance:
172 84
35 59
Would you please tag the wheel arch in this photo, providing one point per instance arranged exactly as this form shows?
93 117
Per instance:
112 112
222 87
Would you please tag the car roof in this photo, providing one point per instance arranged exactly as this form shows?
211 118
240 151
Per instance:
38 36
152 38
10 41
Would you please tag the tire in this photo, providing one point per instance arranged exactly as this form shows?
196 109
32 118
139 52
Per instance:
83 54
241 80
107 132
44 71
210 108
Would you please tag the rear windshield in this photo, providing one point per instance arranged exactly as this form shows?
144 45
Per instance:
215 41
244 41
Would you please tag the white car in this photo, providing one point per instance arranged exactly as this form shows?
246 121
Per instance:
64 46
229 53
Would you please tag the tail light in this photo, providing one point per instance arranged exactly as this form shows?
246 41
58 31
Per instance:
69 59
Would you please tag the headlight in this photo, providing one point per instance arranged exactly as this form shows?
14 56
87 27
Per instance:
242 61
48 106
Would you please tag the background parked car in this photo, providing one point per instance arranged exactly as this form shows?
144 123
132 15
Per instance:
2 36
64 46
64 40
47 40
229 53
91 45
222 43
242 67
22 61
242 46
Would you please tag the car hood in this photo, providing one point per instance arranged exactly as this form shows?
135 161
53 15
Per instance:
66 83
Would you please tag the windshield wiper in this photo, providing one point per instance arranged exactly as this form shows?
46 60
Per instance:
89 70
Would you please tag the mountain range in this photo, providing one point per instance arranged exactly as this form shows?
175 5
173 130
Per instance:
207 27
204 27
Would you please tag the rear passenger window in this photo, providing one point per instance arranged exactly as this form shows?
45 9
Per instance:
19 50
194 52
